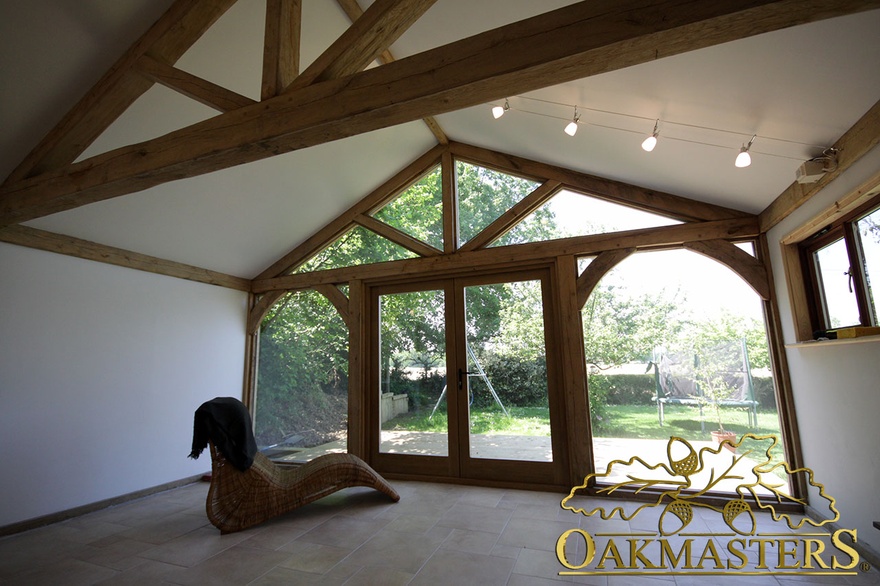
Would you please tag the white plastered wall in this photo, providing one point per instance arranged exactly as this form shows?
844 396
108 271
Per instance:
836 387
101 369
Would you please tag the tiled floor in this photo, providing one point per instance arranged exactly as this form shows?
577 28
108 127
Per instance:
437 534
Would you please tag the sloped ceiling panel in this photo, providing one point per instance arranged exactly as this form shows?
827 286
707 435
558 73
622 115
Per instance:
803 86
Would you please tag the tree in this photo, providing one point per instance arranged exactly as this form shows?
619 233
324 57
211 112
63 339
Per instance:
303 372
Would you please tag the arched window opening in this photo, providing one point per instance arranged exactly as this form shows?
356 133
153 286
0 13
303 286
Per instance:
302 379
676 346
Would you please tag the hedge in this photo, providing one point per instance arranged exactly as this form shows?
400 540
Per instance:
638 389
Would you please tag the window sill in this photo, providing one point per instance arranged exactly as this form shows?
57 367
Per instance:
838 342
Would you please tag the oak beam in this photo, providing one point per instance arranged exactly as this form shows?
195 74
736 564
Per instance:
739 261
191 86
397 236
506 221
338 299
667 204
518 254
260 308
175 31
566 44
863 136
344 221
281 46
371 34
357 377
70 246
354 12
597 269
578 428
449 195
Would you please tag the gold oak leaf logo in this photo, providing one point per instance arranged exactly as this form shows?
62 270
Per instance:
692 474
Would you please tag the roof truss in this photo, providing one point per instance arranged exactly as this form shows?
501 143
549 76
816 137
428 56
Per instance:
571 43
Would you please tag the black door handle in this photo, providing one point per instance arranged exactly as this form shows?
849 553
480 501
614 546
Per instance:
461 375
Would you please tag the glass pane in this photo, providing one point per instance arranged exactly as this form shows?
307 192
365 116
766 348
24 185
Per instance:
508 409
418 211
483 195
570 214
412 373
302 382
838 296
358 246
868 229
668 337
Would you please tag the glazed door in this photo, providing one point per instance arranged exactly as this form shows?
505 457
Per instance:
464 383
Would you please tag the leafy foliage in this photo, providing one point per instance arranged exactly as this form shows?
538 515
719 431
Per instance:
358 246
418 211
302 375
302 380
483 195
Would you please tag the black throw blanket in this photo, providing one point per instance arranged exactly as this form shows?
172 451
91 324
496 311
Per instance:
225 421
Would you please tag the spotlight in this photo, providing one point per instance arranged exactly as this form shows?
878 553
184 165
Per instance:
572 127
744 159
498 111
649 143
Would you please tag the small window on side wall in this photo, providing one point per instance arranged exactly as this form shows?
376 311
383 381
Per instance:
840 263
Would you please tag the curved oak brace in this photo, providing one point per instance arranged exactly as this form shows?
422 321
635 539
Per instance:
338 299
600 266
265 303
261 308
742 263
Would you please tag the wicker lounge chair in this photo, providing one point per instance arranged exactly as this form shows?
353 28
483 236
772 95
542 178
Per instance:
238 500
247 488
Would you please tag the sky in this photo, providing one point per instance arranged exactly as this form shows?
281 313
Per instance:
708 286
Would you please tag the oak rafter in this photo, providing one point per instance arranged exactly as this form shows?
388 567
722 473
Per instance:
181 26
570 43
191 86
281 47
364 41
354 12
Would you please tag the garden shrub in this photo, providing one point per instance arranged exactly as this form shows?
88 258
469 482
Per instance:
518 381
625 389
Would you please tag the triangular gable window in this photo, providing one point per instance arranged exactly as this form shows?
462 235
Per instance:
483 195
418 211
569 214
358 246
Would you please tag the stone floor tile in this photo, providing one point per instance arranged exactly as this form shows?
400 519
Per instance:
448 567
476 518
235 566
396 550
313 557
346 532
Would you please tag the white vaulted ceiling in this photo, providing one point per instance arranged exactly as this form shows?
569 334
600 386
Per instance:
798 89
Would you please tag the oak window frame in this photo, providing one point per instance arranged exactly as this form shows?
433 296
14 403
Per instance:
843 229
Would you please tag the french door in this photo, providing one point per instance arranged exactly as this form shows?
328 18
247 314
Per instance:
463 379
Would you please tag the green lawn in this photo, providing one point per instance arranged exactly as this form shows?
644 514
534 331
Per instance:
641 421
623 421
630 421
522 421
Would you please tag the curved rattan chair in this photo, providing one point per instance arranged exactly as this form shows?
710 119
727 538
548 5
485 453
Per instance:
238 500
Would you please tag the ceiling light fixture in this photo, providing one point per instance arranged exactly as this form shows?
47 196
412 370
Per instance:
744 159
498 111
572 127
680 131
649 143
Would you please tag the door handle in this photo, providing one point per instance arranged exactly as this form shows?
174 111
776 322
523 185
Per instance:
461 375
